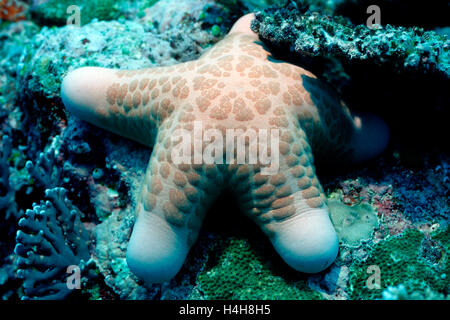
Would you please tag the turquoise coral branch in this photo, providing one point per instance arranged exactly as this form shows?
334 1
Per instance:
51 238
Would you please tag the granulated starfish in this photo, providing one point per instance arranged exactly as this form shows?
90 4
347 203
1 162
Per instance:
234 85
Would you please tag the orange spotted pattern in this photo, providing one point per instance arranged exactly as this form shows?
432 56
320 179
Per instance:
232 86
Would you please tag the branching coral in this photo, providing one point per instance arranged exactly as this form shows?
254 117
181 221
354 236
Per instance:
51 238
54 12
45 171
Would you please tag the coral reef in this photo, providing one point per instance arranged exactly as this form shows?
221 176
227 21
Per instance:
393 12
400 293
51 238
407 188
318 35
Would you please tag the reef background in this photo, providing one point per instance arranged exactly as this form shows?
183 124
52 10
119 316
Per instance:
66 188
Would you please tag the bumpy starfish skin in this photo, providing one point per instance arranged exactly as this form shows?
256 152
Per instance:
236 84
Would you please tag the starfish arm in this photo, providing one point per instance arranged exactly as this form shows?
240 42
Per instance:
173 202
290 208
131 103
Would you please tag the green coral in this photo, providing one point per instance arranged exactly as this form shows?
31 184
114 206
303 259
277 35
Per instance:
353 224
54 12
240 269
401 262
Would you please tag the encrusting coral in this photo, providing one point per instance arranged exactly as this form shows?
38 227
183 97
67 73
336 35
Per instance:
318 35
51 238
234 85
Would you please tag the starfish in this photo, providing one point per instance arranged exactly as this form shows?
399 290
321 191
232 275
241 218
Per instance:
235 85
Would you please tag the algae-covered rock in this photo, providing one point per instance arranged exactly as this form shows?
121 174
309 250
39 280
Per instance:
319 35
126 45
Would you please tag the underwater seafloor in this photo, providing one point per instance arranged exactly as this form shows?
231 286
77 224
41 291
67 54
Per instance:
75 185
